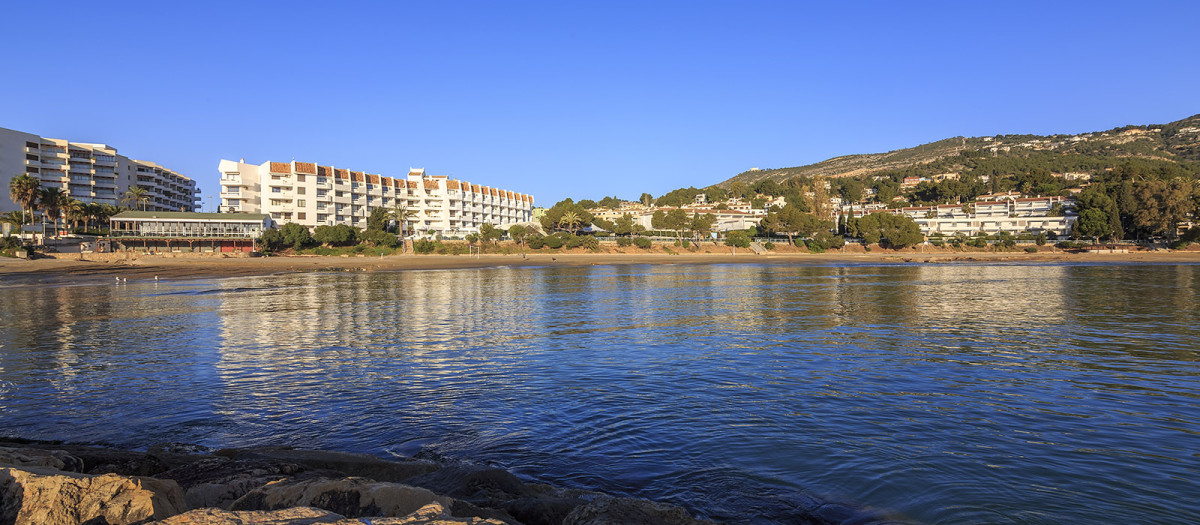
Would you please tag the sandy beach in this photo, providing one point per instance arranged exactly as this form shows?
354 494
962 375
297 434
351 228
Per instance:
185 267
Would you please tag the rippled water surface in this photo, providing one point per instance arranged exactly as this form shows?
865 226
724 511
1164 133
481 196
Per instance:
948 394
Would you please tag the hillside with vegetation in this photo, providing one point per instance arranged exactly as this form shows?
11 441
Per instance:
1173 147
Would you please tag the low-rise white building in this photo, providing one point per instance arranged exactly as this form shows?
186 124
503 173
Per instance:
727 219
1006 213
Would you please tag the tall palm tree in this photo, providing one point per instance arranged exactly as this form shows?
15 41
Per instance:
403 216
136 195
569 221
75 210
25 191
91 212
51 202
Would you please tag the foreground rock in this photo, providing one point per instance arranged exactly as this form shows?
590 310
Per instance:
55 483
32 457
350 497
46 496
432 514
607 510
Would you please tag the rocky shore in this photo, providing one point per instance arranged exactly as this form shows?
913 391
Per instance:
52 483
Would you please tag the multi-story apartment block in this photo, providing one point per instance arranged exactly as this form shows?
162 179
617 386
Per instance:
90 172
312 195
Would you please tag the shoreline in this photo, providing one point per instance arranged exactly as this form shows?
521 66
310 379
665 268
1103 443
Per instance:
185 484
195 267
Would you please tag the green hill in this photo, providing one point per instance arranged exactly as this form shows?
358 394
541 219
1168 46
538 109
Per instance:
1177 144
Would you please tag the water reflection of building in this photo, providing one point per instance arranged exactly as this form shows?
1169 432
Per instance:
963 295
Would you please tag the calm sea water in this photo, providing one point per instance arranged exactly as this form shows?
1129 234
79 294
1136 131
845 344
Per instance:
947 394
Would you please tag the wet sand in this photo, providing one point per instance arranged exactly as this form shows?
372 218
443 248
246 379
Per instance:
187 267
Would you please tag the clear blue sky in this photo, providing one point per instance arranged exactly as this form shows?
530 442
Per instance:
583 99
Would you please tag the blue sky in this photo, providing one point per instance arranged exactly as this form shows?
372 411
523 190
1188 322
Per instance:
583 99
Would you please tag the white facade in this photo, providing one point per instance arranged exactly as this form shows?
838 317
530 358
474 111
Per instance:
90 172
727 220
1006 213
312 195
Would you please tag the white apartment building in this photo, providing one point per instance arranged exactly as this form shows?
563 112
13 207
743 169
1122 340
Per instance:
1003 213
90 172
312 195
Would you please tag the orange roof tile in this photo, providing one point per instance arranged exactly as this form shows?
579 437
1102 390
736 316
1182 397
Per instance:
431 184
412 184
324 170
373 179
306 167
281 167
342 174
475 188
453 184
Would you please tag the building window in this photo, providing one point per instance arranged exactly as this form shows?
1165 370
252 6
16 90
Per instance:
300 215
300 203
300 190
299 177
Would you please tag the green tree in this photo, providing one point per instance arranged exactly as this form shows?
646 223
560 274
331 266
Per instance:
15 218
1094 223
851 190
674 219
1095 198
337 235
380 238
270 240
552 220
610 202
569 221
603 224
737 239
646 199
295 235
489 233
135 196
888 229
519 233
626 225
75 211
51 201
378 219
702 225
25 190
1163 205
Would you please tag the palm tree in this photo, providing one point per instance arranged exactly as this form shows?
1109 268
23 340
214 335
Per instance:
136 195
15 218
52 200
25 191
402 214
75 210
569 221
91 212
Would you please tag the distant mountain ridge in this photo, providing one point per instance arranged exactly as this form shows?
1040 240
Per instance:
1177 141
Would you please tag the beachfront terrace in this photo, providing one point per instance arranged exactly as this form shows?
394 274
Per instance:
185 225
